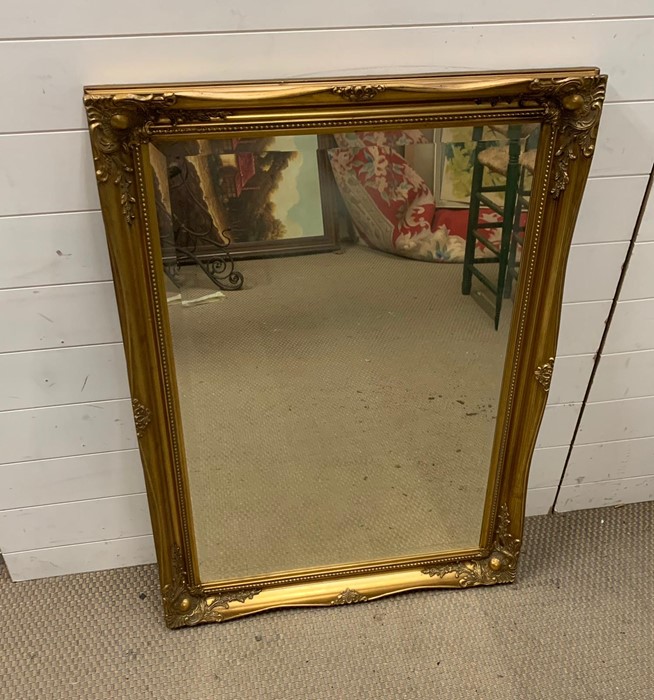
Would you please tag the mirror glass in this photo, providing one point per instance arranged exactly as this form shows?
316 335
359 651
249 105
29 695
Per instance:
340 307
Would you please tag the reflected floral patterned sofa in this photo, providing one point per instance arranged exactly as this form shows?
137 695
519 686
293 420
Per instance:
392 207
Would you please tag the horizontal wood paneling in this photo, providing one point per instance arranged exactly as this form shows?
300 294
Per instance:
571 375
624 376
605 260
45 77
632 327
74 523
53 172
605 493
614 448
609 209
539 501
76 478
30 18
558 424
616 420
625 143
77 558
44 173
639 280
53 249
604 461
62 376
547 466
53 317
63 431
582 326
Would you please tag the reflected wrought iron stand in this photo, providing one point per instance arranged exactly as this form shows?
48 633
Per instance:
217 265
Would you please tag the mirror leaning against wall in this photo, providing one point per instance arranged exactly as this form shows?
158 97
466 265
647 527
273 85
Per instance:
336 304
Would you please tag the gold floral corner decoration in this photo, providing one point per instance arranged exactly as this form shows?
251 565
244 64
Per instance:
120 122
116 125
184 607
142 417
543 374
499 567
358 93
349 596
574 105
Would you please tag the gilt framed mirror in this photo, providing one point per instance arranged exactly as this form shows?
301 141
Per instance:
340 302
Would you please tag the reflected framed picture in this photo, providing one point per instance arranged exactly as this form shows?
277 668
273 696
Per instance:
455 164
262 196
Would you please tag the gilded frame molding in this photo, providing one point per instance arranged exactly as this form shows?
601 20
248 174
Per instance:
124 120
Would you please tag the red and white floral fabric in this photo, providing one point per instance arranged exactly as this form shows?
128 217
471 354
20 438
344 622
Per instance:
392 207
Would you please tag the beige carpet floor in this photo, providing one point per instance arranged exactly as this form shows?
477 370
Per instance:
340 408
578 625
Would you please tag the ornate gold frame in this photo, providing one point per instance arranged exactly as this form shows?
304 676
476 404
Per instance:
123 121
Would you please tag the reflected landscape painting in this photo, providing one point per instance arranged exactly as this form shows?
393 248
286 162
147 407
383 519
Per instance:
265 195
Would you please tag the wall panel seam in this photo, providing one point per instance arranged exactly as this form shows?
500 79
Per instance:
606 481
63 349
589 444
77 544
623 400
334 29
67 405
79 454
60 347
57 459
91 211
603 442
56 284
64 503
586 244
578 354
628 352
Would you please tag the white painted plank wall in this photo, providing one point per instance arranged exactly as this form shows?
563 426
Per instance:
50 249
72 490
46 76
612 461
599 247
26 18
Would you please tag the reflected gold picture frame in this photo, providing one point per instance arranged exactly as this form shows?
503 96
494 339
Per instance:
125 120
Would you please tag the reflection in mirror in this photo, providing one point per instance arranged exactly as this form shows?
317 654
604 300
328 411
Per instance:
339 307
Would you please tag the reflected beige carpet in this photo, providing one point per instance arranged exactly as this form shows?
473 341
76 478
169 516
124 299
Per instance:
578 625
339 408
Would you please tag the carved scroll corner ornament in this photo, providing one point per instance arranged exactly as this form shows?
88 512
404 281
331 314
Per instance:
142 417
543 374
358 93
349 596
116 124
184 607
499 567
575 105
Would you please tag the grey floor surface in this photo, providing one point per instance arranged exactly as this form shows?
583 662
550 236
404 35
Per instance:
578 624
